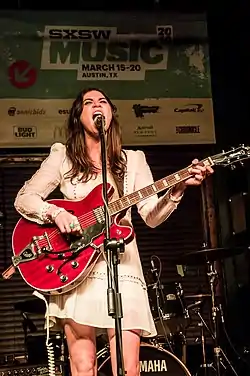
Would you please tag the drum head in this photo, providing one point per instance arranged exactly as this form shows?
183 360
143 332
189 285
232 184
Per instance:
153 361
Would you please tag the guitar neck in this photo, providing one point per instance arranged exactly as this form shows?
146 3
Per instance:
160 185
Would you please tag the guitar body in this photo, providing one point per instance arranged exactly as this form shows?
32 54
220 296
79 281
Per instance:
55 263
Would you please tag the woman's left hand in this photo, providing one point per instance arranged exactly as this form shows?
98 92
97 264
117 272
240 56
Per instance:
199 172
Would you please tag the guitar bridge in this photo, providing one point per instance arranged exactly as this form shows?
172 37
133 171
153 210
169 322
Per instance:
42 238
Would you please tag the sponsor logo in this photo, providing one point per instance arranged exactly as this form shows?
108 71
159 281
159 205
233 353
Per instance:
195 107
25 132
98 52
185 129
154 365
59 132
140 110
145 131
12 111
63 111
77 33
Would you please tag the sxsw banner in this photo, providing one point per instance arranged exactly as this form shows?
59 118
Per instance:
155 69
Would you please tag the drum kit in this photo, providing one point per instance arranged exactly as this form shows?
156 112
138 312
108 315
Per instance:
166 353
172 316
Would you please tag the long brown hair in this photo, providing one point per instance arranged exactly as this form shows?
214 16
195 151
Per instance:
76 146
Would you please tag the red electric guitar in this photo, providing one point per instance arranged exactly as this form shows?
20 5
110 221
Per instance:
54 263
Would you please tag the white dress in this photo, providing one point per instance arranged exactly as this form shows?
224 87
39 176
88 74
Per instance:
87 303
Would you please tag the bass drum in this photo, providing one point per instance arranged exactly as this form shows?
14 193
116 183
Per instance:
153 361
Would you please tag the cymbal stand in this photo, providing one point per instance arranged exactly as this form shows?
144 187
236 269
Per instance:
218 352
205 367
212 277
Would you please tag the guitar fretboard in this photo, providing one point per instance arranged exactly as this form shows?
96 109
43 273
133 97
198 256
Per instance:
160 185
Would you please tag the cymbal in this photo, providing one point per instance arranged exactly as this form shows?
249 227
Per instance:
210 254
197 296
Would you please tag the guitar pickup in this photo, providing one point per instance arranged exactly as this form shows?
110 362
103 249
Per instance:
27 254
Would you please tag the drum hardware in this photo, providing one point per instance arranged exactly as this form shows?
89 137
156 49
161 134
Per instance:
178 345
160 321
197 296
208 256
218 352
205 369
212 274
167 306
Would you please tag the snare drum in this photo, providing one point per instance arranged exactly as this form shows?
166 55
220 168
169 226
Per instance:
153 361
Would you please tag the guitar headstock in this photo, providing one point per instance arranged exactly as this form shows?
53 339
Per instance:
231 157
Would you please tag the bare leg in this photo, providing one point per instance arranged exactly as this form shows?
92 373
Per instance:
82 348
131 351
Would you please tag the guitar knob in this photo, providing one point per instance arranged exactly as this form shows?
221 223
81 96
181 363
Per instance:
63 278
74 264
50 268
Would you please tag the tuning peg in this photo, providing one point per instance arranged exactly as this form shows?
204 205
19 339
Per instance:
232 167
242 163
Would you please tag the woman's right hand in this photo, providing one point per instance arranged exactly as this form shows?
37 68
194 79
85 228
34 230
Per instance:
68 223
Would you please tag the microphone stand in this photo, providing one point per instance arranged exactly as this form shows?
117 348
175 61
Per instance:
112 249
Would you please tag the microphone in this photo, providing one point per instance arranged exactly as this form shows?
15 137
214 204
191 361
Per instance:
99 120
154 271
152 265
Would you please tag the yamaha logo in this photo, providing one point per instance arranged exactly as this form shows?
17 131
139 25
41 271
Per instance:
155 365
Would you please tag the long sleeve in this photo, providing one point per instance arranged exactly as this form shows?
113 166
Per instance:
153 210
30 200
